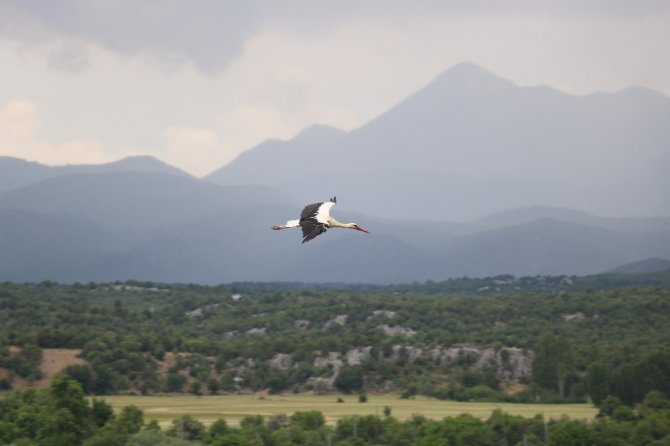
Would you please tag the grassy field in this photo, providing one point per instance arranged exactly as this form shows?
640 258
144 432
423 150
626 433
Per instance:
232 408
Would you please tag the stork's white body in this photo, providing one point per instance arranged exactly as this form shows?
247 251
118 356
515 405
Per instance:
315 219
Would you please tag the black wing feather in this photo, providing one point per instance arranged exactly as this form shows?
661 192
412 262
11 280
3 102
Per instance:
311 227
316 231
310 211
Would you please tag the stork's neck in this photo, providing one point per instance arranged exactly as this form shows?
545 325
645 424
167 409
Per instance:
336 224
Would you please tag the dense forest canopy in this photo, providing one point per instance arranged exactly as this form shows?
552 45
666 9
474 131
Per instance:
516 342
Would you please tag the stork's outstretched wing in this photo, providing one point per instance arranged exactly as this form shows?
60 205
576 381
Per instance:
311 230
314 219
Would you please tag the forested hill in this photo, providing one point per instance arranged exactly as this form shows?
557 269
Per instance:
484 286
152 338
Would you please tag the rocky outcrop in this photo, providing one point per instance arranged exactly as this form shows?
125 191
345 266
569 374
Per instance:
331 359
509 362
385 313
340 319
281 361
397 330
199 312
407 352
358 355
515 362
302 324
578 316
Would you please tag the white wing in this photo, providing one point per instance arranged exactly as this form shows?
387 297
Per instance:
323 213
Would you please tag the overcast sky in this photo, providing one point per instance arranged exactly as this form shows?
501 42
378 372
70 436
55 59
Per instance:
195 83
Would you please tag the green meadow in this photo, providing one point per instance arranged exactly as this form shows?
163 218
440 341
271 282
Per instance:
233 408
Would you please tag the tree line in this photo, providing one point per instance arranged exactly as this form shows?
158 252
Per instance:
62 416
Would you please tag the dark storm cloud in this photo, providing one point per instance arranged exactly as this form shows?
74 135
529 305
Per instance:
208 33
211 33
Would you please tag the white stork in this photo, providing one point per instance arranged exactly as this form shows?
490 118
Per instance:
315 219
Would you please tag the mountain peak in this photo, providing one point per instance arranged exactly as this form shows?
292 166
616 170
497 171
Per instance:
139 162
144 159
468 74
317 132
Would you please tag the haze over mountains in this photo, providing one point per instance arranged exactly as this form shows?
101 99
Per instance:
471 143
472 176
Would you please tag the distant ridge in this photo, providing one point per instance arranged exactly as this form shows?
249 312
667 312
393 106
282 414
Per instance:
651 265
531 213
16 172
167 228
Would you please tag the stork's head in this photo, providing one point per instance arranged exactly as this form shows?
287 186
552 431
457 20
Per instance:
358 228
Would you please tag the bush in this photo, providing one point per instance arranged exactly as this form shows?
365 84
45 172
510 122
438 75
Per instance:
655 400
5 384
174 382
308 420
567 432
608 406
350 379
187 428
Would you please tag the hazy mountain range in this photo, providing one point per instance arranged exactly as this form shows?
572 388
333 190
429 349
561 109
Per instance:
419 177
471 143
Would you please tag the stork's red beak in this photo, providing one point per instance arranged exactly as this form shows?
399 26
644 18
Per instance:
358 228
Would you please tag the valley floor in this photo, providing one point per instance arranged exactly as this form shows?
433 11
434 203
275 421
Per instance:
233 408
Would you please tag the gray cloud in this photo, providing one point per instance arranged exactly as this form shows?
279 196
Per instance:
68 56
211 33
207 33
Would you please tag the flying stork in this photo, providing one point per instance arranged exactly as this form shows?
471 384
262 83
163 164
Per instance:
315 219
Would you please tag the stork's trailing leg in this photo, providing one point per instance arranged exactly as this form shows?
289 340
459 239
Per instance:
289 224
